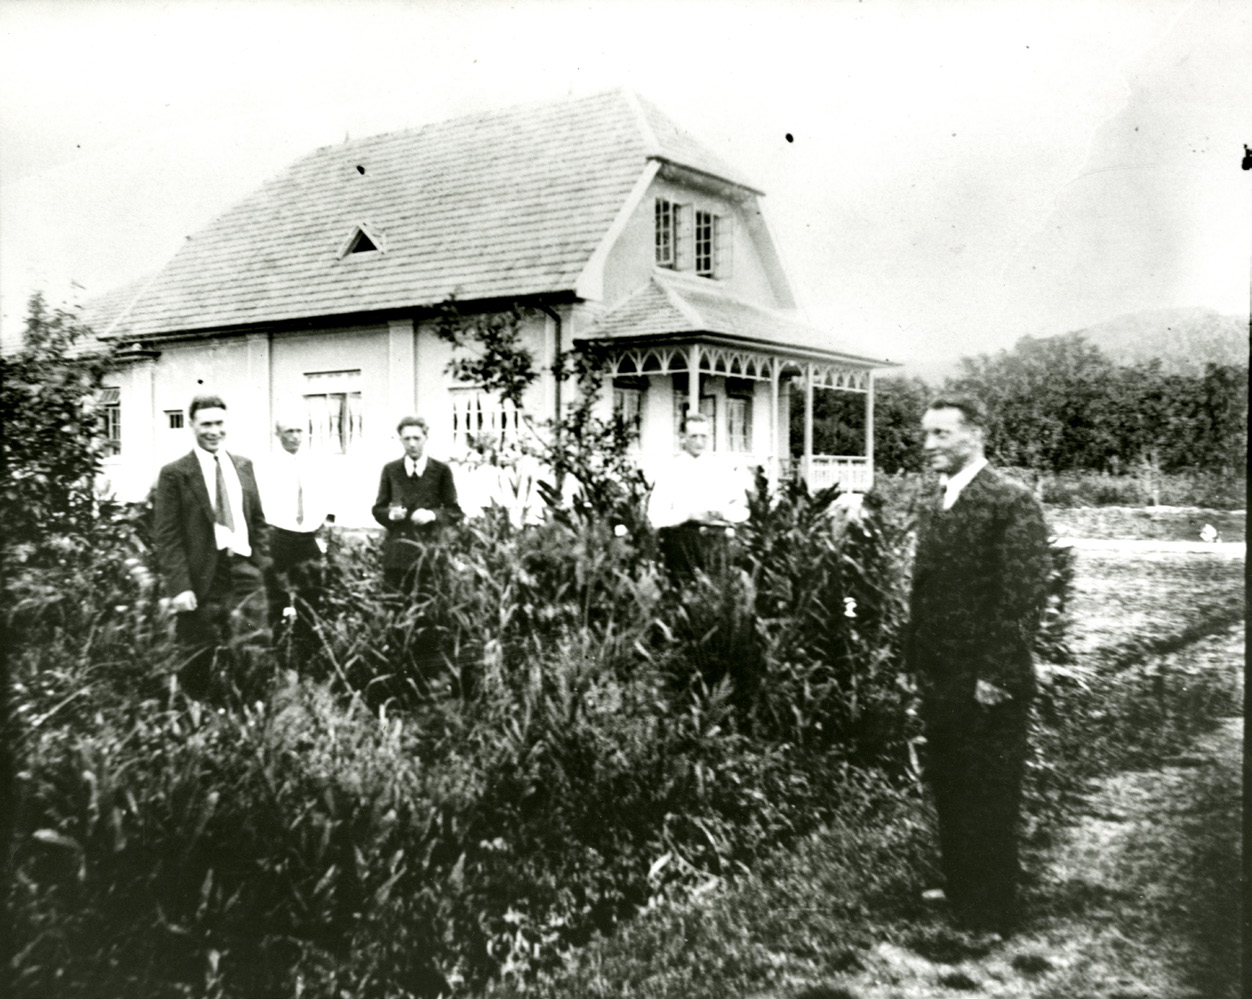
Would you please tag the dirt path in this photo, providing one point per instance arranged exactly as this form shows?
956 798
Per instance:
1137 900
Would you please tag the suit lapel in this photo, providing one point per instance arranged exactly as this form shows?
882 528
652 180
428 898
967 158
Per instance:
195 479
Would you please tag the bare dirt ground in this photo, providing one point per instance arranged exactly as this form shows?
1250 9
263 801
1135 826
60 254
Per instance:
1138 899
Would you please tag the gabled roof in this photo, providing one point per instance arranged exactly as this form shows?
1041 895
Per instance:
680 307
503 204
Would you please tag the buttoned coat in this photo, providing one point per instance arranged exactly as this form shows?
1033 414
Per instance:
433 490
183 525
979 587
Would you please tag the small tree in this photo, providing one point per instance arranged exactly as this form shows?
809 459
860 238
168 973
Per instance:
54 439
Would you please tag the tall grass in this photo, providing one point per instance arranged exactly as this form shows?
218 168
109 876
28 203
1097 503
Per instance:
461 784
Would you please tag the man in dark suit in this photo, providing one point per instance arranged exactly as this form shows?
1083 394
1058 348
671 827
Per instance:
416 497
979 586
211 542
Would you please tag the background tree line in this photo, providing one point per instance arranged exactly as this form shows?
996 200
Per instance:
1056 404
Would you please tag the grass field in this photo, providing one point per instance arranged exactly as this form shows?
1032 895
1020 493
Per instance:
1160 523
1132 884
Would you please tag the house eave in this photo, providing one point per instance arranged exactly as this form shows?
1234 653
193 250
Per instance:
732 340
371 317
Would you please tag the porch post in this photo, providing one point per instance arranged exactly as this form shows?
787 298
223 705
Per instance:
693 379
775 444
869 430
808 424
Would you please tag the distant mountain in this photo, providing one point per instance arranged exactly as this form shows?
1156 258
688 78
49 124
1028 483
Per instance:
1184 339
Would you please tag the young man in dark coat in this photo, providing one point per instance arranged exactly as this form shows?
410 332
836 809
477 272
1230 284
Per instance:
416 497
979 587
211 543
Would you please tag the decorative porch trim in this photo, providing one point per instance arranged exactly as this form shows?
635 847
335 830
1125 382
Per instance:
734 362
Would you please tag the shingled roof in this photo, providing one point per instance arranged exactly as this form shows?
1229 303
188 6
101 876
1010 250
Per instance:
503 204
668 306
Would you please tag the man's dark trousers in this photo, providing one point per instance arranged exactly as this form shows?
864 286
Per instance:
297 578
979 586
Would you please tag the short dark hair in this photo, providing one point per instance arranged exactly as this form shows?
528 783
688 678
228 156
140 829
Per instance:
204 402
972 409
412 421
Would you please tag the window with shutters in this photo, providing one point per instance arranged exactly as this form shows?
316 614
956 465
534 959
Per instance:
713 234
332 400
479 416
666 233
174 419
111 420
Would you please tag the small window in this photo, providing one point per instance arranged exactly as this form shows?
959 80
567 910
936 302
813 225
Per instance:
628 408
332 400
362 239
362 244
175 418
111 420
706 229
666 233
739 423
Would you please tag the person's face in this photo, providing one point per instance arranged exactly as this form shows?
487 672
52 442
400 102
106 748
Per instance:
696 439
291 436
209 427
948 442
414 441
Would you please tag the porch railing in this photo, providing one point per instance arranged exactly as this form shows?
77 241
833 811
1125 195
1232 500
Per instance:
853 473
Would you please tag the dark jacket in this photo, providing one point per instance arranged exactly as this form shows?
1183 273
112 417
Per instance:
183 525
434 490
979 587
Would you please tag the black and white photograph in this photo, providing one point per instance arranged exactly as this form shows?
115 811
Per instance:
708 499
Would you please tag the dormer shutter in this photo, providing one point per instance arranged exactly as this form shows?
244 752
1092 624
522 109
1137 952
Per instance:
724 249
684 237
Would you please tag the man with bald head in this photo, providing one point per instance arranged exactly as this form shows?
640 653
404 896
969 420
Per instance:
297 509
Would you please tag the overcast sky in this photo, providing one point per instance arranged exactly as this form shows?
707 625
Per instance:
962 172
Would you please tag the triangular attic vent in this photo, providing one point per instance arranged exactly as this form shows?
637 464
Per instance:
362 243
361 240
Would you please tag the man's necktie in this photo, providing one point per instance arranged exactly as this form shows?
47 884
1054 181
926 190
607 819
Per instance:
299 497
224 516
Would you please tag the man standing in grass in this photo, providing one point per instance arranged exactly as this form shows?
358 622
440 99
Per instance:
416 496
979 587
211 543
294 493
694 502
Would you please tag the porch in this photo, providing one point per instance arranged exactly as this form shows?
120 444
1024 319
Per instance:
748 392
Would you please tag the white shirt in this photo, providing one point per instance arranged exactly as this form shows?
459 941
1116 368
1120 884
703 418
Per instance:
690 488
956 484
236 540
412 467
284 477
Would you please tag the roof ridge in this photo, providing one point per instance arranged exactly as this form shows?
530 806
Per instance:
652 146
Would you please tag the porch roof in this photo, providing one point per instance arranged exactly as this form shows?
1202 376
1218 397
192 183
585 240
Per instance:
674 309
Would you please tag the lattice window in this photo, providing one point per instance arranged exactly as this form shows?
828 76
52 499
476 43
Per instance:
666 233
174 419
332 401
111 419
478 414
705 226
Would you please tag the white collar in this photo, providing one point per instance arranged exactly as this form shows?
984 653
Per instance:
417 467
956 483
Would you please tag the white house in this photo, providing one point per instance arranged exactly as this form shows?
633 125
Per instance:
599 212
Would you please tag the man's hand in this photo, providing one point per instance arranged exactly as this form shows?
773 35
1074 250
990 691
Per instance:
395 512
184 602
989 695
421 517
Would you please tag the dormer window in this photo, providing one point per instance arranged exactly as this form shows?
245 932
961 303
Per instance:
666 233
362 239
692 239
